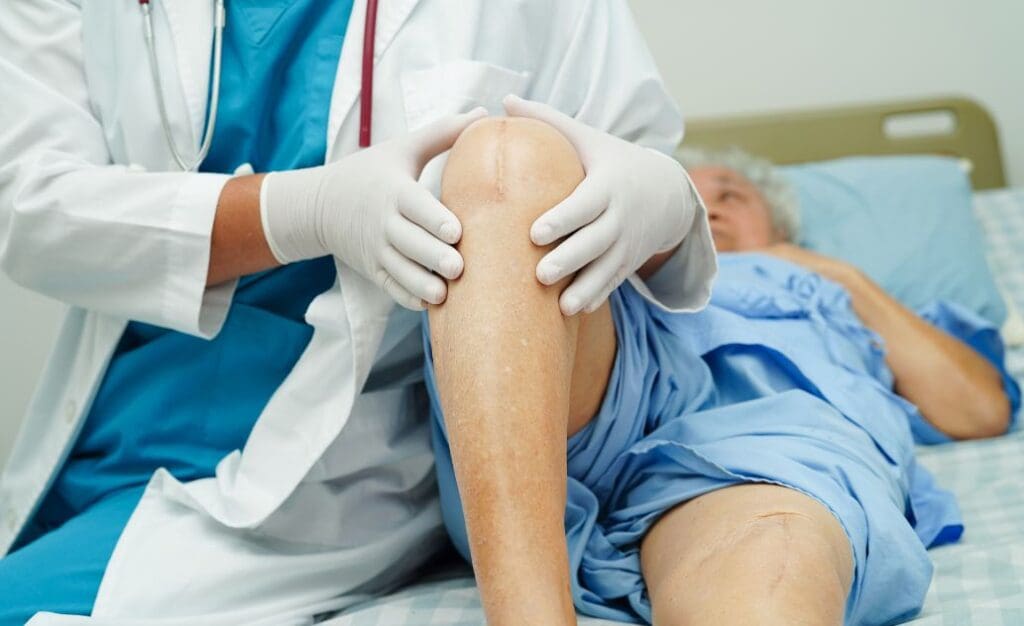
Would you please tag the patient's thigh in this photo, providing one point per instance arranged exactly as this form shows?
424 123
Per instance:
595 356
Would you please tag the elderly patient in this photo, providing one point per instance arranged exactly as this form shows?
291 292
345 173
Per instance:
748 464
957 390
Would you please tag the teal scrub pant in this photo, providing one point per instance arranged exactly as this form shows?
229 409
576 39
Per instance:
60 572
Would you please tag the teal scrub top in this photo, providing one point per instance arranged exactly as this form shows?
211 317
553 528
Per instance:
175 401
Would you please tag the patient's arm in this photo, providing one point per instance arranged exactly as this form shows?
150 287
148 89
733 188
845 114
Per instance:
956 389
504 360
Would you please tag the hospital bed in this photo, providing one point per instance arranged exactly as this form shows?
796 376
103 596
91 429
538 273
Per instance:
978 581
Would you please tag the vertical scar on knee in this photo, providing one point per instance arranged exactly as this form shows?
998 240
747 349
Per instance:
500 156
780 572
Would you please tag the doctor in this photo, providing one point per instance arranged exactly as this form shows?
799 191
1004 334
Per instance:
231 427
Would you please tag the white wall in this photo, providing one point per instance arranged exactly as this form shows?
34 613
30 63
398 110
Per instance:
724 57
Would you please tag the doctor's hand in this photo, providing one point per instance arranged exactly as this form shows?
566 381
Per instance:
369 211
633 204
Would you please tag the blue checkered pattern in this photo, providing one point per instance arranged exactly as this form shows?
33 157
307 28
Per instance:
1001 214
979 581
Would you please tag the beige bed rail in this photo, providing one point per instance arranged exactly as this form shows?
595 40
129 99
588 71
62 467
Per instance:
947 126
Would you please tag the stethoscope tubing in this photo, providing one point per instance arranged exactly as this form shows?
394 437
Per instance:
366 95
219 22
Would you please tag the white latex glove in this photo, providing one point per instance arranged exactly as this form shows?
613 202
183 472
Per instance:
370 212
634 203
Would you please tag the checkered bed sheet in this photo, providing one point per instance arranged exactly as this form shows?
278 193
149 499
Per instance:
978 582
1001 214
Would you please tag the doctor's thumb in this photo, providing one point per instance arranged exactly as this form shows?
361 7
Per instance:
438 136
519 107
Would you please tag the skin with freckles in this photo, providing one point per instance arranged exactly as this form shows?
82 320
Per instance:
956 389
516 378
513 380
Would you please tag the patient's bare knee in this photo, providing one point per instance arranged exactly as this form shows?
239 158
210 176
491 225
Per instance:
796 544
515 162
769 554
503 173
789 565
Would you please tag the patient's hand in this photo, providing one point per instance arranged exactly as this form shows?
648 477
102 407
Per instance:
956 389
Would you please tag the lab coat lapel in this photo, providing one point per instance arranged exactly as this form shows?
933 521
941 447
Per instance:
304 416
348 320
391 15
191 26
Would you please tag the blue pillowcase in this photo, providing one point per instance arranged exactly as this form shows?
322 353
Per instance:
906 221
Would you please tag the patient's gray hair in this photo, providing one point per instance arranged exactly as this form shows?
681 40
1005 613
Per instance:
777 191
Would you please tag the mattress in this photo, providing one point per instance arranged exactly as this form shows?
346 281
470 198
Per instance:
978 581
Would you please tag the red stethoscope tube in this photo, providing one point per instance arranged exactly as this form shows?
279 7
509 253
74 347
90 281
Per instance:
366 96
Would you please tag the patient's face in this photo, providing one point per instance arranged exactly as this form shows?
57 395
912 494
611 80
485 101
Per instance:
740 217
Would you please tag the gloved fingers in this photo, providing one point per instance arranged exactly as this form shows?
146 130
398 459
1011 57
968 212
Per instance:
591 286
412 277
399 294
581 248
438 136
582 207
421 207
418 245
575 131
604 292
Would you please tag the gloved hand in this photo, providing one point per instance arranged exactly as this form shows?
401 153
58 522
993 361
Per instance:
634 203
370 212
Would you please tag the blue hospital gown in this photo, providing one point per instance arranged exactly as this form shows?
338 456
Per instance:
777 381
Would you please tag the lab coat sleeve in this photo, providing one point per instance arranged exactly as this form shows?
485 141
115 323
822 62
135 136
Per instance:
75 227
605 77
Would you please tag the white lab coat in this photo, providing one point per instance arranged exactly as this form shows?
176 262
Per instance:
93 213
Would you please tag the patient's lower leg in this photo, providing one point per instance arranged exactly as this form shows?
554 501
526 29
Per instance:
504 362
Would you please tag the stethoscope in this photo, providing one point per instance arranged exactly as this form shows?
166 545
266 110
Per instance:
219 21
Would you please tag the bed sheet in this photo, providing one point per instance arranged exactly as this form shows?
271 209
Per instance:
977 582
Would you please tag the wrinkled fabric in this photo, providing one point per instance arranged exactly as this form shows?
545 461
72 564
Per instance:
777 381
